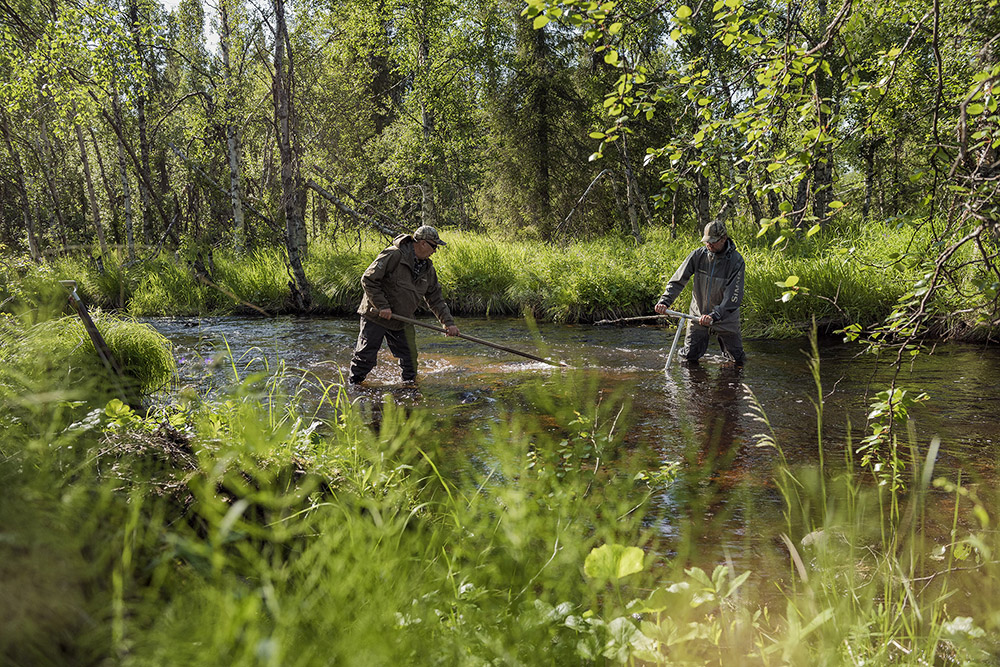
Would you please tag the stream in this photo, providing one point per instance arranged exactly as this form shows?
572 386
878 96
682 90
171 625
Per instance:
725 497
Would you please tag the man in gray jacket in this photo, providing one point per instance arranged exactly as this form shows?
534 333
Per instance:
400 278
717 293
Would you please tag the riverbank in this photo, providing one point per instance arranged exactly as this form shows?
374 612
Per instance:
854 275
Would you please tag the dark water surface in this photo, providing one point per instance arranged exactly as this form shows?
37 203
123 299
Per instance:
701 417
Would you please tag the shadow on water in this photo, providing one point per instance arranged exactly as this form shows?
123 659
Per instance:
724 503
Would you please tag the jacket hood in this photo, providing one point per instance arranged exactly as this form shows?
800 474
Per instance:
403 239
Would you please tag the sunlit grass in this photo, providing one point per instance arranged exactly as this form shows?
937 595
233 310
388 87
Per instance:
847 273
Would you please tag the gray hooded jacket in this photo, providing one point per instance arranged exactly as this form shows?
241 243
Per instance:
389 282
717 285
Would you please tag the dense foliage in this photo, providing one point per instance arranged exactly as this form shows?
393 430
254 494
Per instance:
130 127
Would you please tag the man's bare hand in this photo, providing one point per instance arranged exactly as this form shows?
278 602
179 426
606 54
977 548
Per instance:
385 313
660 308
451 330
705 320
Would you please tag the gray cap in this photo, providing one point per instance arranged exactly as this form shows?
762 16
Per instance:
429 234
714 231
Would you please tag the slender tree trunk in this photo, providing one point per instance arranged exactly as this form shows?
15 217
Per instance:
703 204
292 186
754 203
232 135
823 184
148 232
22 189
773 205
868 151
95 210
41 144
801 201
428 203
108 189
896 181
126 202
634 192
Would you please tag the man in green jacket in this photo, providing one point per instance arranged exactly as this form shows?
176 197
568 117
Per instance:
400 278
718 271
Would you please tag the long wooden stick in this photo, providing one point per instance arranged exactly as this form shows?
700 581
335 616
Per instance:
418 323
643 318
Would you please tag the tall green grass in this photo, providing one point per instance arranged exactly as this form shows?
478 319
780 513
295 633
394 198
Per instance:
847 274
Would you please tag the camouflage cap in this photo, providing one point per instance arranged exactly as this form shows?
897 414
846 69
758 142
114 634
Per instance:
429 234
714 231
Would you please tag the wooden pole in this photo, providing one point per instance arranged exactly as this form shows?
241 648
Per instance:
418 323
103 351
643 318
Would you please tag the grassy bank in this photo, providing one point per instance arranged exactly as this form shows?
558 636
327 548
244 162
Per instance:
849 276
248 529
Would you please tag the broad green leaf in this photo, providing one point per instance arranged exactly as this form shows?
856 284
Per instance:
611 58
836 204
613 562
541 21
813 230
683 12
597 135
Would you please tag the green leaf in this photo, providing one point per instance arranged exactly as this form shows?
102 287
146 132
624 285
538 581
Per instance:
975 109
613 562
611 58
597 135
836 204
684 12
540 21
615 28
813 230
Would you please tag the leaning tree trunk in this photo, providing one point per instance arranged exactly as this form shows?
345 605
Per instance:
292 186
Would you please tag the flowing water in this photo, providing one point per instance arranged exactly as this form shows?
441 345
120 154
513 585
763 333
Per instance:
725 499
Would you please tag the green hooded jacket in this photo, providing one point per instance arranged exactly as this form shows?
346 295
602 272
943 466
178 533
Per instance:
389 282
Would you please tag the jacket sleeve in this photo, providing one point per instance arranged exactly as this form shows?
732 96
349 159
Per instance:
677 282
732 296
372 280
436 302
